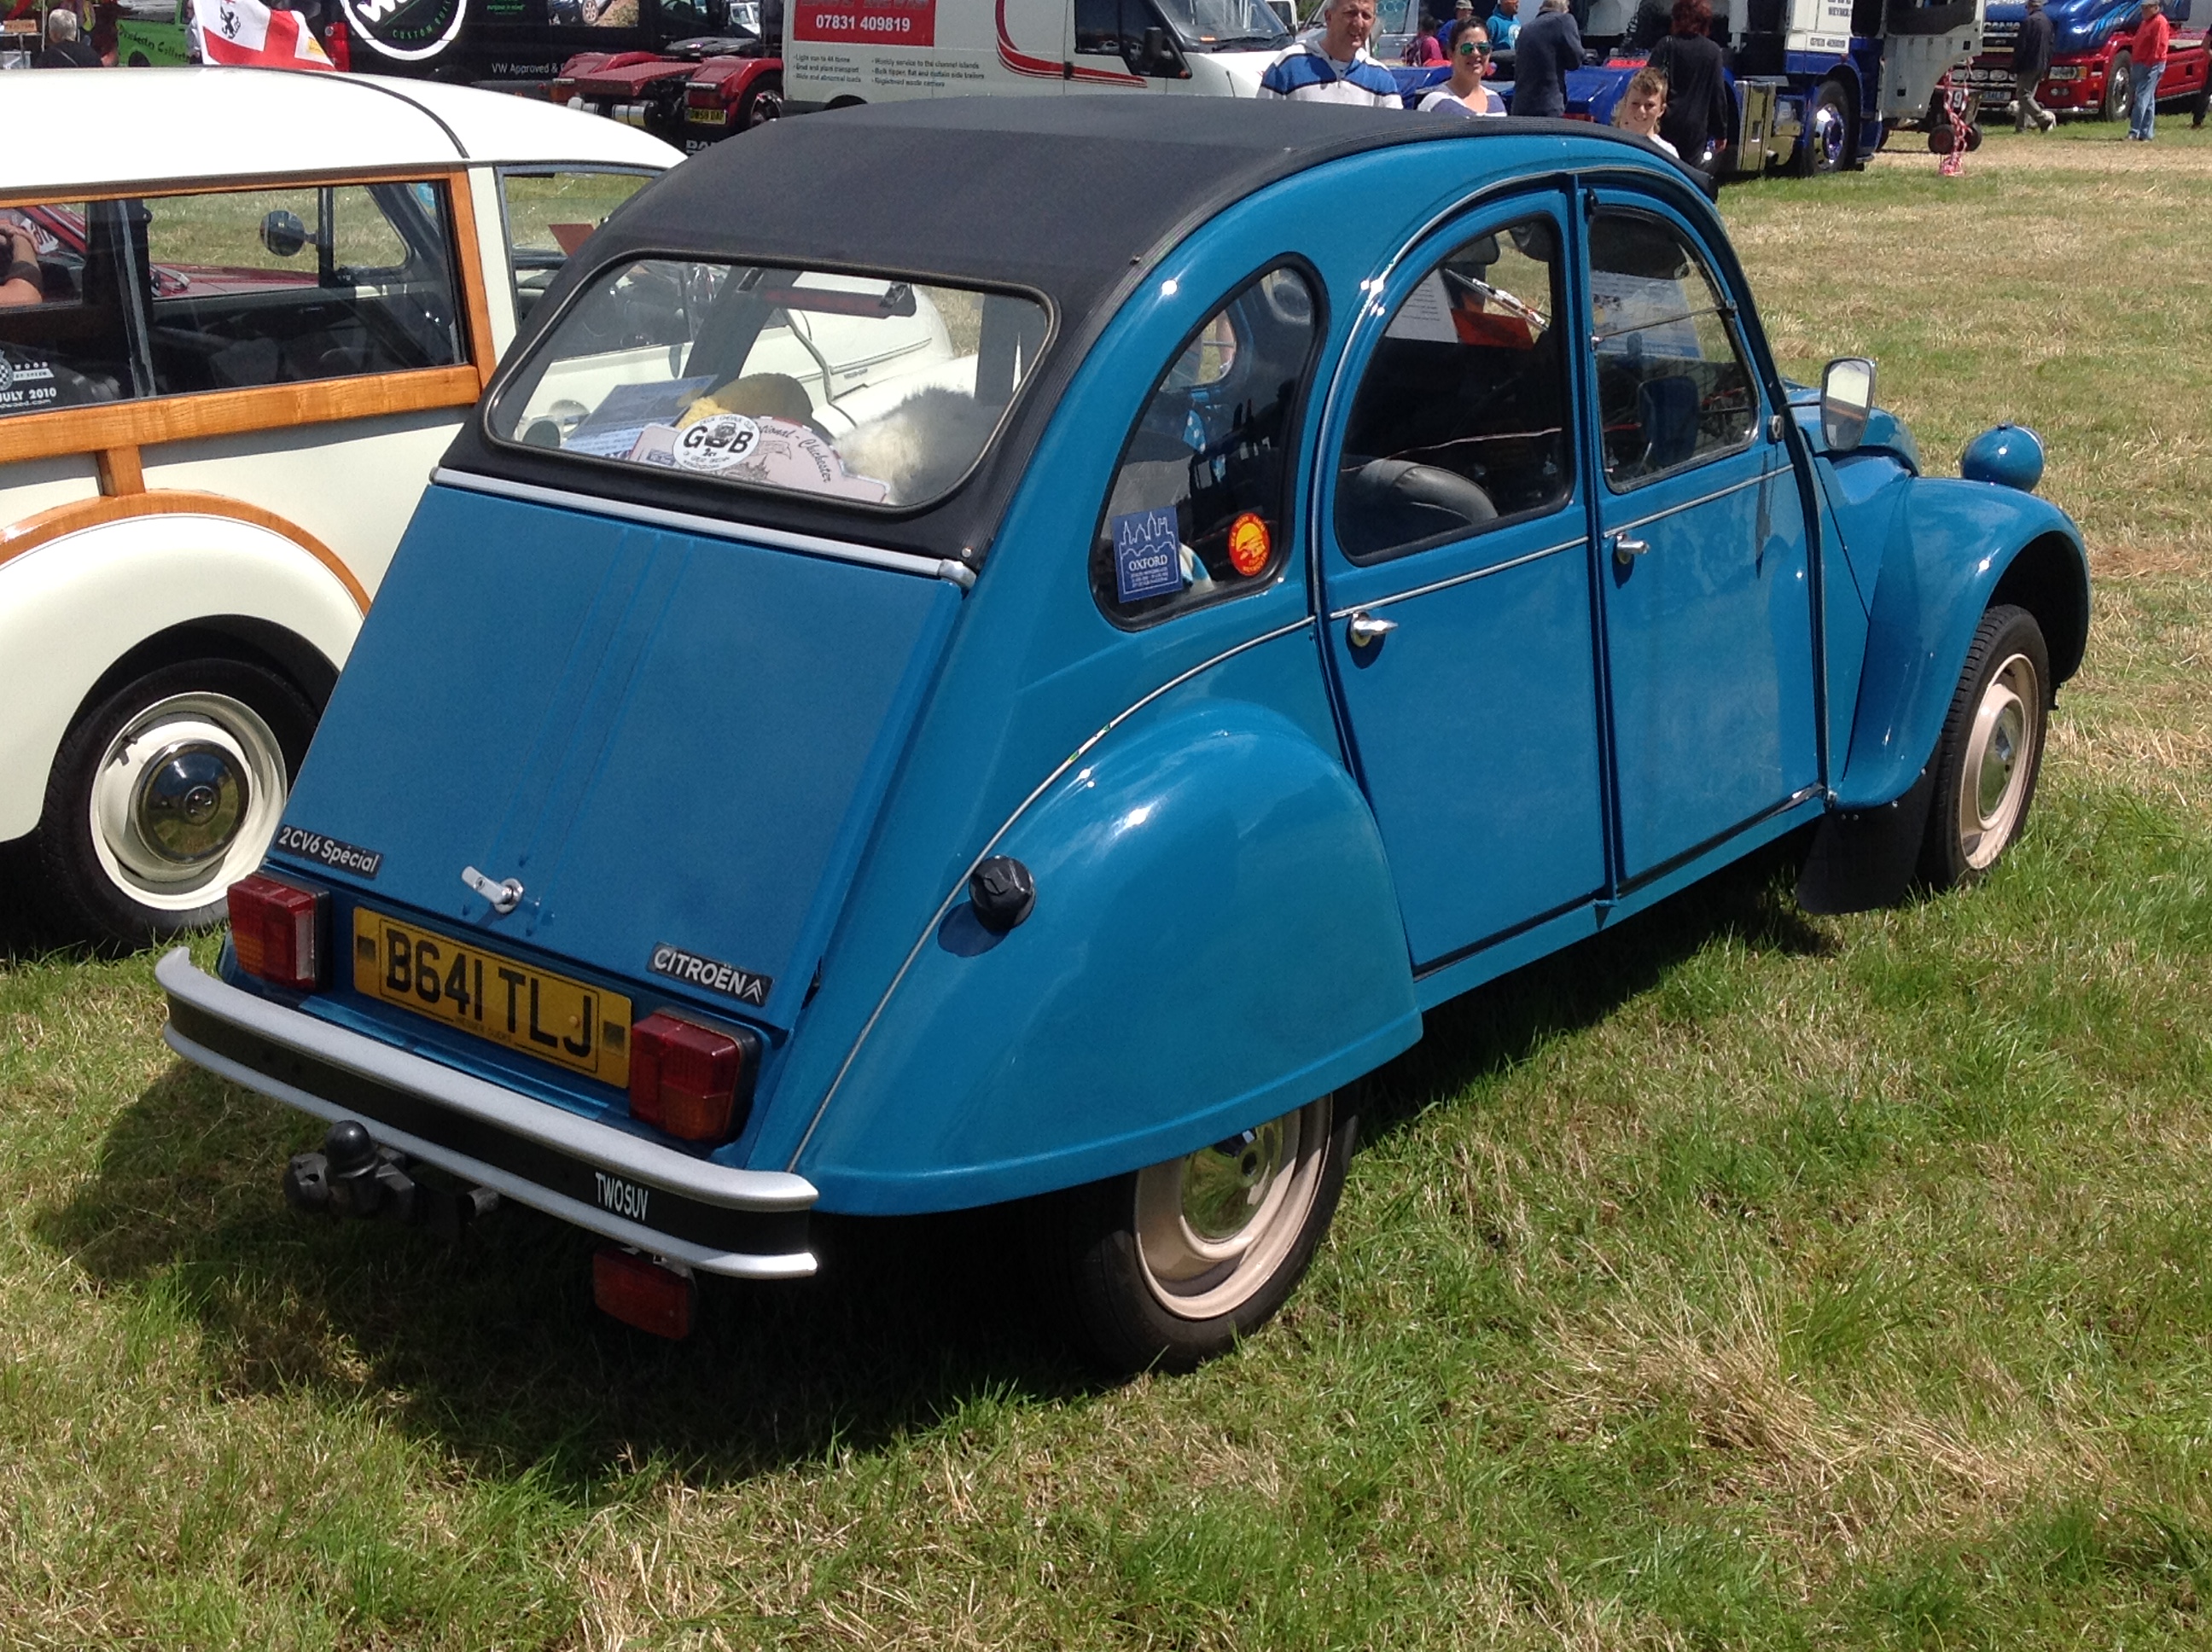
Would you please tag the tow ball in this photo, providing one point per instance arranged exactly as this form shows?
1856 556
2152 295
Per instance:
354 1177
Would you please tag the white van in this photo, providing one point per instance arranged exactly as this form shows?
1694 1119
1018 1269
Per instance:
839 53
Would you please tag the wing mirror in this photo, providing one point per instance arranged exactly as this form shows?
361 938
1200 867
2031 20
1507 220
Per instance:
1157 56
283 234
1846 398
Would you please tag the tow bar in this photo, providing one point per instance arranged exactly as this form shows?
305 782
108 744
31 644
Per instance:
353 1176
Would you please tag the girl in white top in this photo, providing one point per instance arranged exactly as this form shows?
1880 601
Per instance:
1464 93
1641 106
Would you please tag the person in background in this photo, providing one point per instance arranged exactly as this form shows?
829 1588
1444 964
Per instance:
64 49
21 281
1699 105
1464 93
1543 54
2031 61
1424 51
1648 27
1504 25
2153 34
1643 105
1333 66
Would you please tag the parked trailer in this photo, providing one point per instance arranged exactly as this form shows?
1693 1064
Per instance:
2092 69
692 94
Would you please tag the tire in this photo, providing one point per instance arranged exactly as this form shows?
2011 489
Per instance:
1830 140
762 104
139 60
1145 1289
164 794
1991 752
2119 82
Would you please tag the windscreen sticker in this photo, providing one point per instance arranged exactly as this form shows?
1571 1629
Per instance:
329 851
715 977
719 442
612 428
1147 554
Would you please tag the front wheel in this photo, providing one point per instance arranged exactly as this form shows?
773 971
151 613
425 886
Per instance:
2119 86
1830 140
165 794
762 104
1166 1267
1991 751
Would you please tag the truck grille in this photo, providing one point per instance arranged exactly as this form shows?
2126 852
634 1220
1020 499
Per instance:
1999 37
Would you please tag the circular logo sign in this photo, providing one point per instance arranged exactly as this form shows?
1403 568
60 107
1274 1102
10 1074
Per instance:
409 30
1248 543
718 442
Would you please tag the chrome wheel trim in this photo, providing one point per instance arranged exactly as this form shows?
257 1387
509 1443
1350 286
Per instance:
185 799
1998 763
1213 1227
1826 137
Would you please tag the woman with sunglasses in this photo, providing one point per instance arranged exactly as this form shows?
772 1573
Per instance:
1464 93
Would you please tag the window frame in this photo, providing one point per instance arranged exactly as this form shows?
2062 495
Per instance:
1730 311
518 360
1294 422
125 426
1564 298
546 169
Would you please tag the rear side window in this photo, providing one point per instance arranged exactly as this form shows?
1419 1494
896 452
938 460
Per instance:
1462 419
867 389
1197 511
66 330
248 287
550 214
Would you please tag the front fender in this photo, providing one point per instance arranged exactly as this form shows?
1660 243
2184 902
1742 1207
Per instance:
73 606
1955 548
1216 940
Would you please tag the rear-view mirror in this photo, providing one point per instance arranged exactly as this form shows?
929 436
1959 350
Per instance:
1846 398
283 234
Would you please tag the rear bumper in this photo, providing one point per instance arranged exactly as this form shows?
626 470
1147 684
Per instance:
749 1225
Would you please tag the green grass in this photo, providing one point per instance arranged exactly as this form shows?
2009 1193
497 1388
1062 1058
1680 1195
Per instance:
1741 1280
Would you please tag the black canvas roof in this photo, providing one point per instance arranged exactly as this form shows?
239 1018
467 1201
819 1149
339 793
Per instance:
1070 196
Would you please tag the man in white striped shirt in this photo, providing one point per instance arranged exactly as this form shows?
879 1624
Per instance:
1334 67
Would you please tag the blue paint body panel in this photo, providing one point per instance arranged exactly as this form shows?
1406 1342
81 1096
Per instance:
1260 854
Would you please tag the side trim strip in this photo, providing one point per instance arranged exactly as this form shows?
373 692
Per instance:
475 1098
47 526
1803 794
1691 504
1462 578
984 853
898 562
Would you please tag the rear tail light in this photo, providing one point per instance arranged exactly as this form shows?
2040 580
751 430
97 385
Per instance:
560 90
276 930
640 1292
690 1080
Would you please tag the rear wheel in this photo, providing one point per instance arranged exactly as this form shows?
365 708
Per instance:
762 104
1991 751
1168 1267
166 793
1830 140
2119 83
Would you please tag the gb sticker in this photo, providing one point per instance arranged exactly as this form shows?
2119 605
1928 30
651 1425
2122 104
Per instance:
720 442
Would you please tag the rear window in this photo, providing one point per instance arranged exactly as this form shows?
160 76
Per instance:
865 389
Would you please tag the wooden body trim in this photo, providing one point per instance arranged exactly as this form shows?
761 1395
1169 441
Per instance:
43 527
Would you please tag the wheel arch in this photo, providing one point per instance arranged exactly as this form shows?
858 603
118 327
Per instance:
84 610
1216 940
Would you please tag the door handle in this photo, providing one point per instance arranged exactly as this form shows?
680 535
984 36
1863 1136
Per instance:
1626 550
1366 629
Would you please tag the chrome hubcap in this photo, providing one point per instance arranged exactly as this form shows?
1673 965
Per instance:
186 800
2000 748
1214 1226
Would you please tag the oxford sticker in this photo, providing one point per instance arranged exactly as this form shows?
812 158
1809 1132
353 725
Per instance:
1147 554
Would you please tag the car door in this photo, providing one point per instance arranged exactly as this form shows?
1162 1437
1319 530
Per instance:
1458 578
1703 569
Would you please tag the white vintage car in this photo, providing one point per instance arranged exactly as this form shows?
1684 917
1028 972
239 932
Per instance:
244 311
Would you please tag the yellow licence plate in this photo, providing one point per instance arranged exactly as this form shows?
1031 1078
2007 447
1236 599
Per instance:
709 116
524 1008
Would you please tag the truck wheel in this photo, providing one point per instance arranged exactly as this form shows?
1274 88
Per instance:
2119 83
1830 140
166 793
1991 751
762 104
1168 1267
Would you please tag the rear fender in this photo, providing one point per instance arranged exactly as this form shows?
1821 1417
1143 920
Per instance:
1216 940
76 604
1955 548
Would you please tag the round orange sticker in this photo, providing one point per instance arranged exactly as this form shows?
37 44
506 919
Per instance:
1248 543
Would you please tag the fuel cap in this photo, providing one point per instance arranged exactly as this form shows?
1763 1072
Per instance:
1002 892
